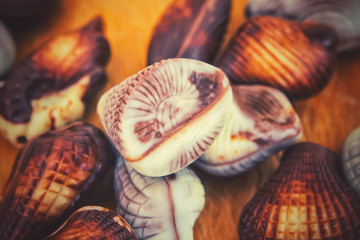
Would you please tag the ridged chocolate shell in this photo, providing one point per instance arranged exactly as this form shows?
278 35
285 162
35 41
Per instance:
7 50
162 207
297 59
93 223
304 199
343 15
51 85
49 175
350 156
260 123
190 29
164 117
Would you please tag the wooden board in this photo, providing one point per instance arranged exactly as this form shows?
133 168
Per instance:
327 118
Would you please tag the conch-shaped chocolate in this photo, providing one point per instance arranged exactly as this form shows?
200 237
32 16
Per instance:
7 50
350 156
260 123
190 29
304 199
295 58
50 87
343 15
93 223
162 207
49 175
164 117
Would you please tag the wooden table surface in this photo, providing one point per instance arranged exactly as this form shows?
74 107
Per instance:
327 118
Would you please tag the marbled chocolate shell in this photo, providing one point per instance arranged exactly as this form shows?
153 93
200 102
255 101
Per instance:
161 208
50 87
304 199
164 117
7 50
260 123
94 223
190 29
350 156
49 175
296 58
343 15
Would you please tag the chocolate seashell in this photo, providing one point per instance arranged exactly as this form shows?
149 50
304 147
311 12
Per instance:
350 156
164 117
304 199
162 207
260 123
343 16
49 175
190 29
295 58
50 87
7 49
93 222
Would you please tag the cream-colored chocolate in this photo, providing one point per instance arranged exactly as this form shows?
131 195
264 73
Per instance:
164 117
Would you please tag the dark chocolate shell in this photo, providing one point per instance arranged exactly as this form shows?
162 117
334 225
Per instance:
304 199
343 15
50 87
49 175
190 29
164 117
260 123
94 223
296 58
159 207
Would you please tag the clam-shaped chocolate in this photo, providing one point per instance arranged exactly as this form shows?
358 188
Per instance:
50 174
343 15
350 156
50 87
94 223
190 29
304 199
7 50
260 123
159 207
295 58
164 117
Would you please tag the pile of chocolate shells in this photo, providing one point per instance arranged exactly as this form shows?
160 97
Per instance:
193 105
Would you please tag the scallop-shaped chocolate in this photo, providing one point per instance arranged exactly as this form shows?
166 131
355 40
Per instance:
94 223
343 15
260 123
190 29
304 199
50 87
164 117
7 49
350 157
295 58
50 174
159 207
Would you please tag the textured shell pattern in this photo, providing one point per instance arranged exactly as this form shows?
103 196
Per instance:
159 207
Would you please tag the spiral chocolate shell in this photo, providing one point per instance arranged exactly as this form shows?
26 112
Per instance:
164 117
49 175
304 199
350 157
296 58
51 85
260 123
93 223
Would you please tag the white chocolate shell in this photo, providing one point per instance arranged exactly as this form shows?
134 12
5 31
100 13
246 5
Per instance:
7 49
164 117
159 208
350 156
260 123
342 15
